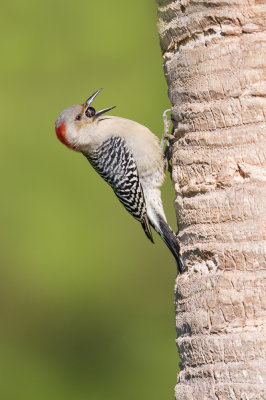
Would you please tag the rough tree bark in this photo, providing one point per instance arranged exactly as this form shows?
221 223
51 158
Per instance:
214 53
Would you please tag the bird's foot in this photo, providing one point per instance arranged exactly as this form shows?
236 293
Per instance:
166 135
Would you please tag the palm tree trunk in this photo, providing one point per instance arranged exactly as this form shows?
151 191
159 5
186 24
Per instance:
214 62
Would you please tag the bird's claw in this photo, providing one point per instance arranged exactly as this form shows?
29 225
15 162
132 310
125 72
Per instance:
166 135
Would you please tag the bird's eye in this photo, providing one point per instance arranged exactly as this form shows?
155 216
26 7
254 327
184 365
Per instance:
90 112
78 117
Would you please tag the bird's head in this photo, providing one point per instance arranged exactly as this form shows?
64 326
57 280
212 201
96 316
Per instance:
75 124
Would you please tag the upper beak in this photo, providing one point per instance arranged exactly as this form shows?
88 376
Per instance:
90 100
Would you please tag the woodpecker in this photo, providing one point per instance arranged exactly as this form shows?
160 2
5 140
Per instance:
128 157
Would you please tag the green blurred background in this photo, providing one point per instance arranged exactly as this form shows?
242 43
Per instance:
86 301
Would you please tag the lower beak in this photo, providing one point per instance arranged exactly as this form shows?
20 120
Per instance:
103 111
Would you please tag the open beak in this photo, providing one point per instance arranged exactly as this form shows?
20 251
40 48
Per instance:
90 100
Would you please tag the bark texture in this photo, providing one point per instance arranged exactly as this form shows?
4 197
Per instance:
214 54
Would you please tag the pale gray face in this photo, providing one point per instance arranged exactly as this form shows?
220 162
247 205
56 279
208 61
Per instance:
74 118
69 122
68 115
77 113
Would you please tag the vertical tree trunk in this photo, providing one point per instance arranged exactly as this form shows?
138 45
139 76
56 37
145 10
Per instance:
214 52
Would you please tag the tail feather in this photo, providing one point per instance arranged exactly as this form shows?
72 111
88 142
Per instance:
169 238
146 227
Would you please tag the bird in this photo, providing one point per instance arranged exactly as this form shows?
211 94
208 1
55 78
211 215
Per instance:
128 156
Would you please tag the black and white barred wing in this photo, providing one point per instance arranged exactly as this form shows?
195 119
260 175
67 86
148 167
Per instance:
116 165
